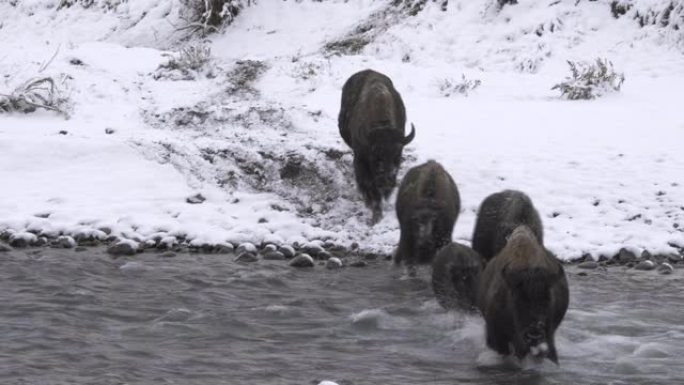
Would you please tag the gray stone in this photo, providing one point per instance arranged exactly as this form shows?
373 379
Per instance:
288 251
122 248
359 263
168 254
665 268
625 256
246 247
246 257
674 258
333 263
588 265
645 255
274 256
645 265
224 248
196 199
312 249
269 247
302 260
22 240
324 255
65 242
40 242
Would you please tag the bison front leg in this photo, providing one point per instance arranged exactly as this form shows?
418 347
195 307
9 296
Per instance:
369 191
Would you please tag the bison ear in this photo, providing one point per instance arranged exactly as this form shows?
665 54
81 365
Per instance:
410 136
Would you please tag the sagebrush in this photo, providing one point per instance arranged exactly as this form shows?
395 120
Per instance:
206 16
191 60
37 93
590 80
449 87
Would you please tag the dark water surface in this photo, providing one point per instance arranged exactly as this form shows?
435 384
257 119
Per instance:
85 318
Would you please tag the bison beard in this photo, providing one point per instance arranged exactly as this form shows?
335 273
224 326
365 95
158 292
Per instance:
427 206
372 122
523 297
498 215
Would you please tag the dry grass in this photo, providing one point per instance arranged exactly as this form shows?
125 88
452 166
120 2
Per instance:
36 93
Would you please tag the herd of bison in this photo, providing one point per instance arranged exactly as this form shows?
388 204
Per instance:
518 286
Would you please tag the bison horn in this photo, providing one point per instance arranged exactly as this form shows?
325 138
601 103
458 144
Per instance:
411 135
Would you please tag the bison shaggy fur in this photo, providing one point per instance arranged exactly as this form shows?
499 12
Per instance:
523 297
372 121
427 206
498 215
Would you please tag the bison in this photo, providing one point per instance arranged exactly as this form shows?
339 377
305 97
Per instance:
499 214
371 122
456 276
427 206
523 296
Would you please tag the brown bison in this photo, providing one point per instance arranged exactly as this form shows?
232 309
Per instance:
456 276
499 214
523 297
371 121
427 207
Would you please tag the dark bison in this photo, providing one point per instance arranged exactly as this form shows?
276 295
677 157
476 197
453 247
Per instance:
456 276
371 121
499 214
427 207
523 297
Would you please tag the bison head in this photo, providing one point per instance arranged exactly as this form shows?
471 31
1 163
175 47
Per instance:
386 147
532 307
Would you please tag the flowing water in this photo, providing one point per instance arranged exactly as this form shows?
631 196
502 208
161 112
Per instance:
84 318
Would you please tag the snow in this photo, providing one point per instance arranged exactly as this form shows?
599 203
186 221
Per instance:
604 174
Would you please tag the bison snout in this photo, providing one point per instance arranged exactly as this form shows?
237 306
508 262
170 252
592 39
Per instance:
535 334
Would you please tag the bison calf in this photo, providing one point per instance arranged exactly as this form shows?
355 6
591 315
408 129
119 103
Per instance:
371 122
427 207
456 276
523 297
499 214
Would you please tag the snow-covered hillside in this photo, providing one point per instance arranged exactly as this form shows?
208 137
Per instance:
254 128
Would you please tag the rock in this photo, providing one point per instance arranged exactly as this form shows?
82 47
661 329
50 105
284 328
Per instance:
166 243
106 230
4 248
64 242
287 251
269 247
246 257
224 248
196 199
246 247
625 256
324 255
674 258
168 254
588 265
370 257
274 256
312 249
645 255
109 131
124 247
645 265
359 263
665 268
582 274
354 246
333 263
63 132
21 240
302 260
80 249
40 242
